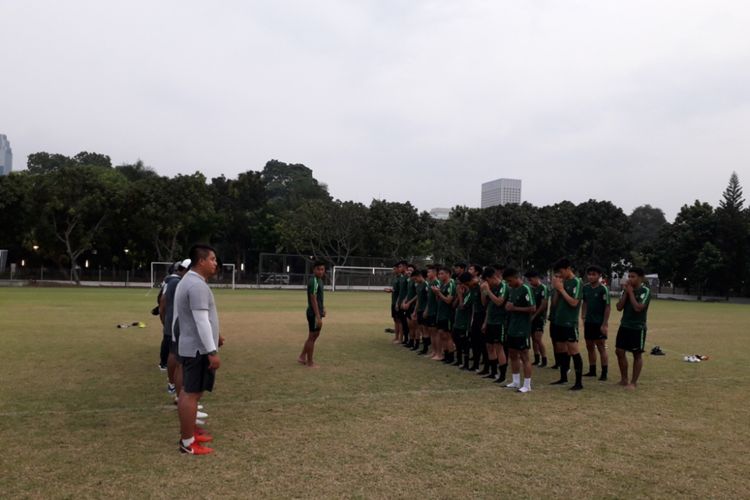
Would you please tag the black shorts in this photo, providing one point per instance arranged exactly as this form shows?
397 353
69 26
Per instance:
518 343
411 310
495 334
593 331
196 377
566 333
459 333
174 346
443 325
631 339
537 324
430 321
394 312
311 323
421 320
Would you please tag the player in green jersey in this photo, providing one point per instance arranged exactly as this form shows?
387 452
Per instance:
538 318
567 303
462 321
420 277
430 314
595 315
394 291
494 295
409 305
316 311
520 306
631 337
478 347
445 294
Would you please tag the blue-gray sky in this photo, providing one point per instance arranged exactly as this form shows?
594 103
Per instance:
637 102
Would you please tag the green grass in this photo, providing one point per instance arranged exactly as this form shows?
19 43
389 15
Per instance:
85 413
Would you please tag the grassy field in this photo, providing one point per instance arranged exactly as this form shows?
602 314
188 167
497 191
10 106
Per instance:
85 412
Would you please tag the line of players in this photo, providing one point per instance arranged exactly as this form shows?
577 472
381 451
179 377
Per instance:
477 318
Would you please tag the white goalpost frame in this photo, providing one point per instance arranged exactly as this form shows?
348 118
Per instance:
153 274
355 268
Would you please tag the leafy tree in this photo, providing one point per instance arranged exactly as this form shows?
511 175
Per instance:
394 229
289 185
78 200
732 235
600 233
708 262
330 230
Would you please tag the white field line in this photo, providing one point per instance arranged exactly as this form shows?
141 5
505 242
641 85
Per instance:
319 399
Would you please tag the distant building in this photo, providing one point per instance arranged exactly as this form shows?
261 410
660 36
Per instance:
6 156
501 192
440 213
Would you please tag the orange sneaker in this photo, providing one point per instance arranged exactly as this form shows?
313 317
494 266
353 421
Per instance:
203 438
200 430
195 449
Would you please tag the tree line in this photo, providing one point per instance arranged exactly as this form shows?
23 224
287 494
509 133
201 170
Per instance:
64 208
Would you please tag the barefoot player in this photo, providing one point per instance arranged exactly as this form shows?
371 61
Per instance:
315 314
631 337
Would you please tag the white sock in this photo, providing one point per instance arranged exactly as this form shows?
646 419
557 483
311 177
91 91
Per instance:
517 378
527 383
187 442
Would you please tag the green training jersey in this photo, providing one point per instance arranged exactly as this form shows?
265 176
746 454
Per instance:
540 294
552 295
411 290
315 288
422 296
444 311
565 314
463 313
519 324
496 315
394 293
478 310
597 300
432 300
403 288
631 318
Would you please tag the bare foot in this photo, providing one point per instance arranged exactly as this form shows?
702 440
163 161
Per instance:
623 383
301 360
313 365
630 387
438 358
395 341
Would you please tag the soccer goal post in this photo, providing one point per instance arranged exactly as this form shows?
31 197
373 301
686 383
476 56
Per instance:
159 271
232 269
360 278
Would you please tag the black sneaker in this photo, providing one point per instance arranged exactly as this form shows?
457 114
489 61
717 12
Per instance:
576 387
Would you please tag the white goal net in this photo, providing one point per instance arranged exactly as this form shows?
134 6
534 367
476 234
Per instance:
360 278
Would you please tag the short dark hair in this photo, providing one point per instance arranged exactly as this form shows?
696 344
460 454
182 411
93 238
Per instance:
563 263
318 263
594 269
460 264
423 272
498 267
447 270
415 271
488 272
532 274
510 273
476 267
432 267
637 270
465 277
198 252
402 263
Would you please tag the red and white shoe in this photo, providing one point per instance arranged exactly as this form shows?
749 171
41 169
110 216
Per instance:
195 449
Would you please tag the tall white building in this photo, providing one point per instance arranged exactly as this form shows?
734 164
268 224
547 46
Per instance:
501 192
6 156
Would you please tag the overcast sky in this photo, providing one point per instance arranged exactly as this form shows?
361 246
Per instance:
636 102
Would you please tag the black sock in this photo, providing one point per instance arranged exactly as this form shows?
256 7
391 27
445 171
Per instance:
557 360
564 363
592 370
604 372
578 366
503 370
416 344
536 359
544 361
493 367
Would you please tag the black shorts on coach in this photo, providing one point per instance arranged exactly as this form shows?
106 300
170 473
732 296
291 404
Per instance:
517 343
196 377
